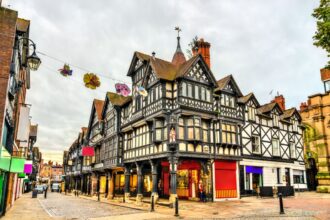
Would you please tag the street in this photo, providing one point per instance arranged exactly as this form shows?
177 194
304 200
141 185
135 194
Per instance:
308 205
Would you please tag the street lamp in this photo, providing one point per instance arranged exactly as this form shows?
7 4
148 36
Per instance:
33 60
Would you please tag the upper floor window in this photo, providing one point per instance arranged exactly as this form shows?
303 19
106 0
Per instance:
228 133
255 140
205 128
251 113
292 149
155 94
294 125
160 130
195 91
227 100
276 147
138 103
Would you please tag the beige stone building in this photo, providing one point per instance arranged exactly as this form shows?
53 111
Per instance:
316 116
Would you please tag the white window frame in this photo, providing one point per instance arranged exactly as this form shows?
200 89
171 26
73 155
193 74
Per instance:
277 141
258 142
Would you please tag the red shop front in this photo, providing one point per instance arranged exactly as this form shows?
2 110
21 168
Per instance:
225 179
188 176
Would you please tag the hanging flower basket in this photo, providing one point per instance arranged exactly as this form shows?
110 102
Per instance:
66 70
91 81
122 89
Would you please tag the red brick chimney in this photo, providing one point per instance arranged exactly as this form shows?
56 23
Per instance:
203 48
303 106
280 100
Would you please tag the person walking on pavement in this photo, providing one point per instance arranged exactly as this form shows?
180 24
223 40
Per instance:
46 188
200 190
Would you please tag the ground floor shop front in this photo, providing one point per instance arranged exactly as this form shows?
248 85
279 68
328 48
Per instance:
185 178
269 177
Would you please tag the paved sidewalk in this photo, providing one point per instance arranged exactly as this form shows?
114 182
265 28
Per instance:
26 208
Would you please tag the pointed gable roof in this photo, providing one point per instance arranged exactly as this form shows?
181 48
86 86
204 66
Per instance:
167 70
245 99
117 99
288 113
222 83
266 108
98 104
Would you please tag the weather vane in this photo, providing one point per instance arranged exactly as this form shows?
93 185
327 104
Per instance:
178 29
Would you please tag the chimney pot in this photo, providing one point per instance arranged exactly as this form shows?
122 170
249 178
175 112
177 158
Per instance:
280 100
203 48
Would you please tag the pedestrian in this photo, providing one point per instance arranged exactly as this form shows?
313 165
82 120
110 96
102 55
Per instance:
201 190
45 195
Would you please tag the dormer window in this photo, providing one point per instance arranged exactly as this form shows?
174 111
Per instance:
227 100
275 120
251 113
294 125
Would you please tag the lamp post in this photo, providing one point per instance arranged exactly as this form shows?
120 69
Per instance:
33 60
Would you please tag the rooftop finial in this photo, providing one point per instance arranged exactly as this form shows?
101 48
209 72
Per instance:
178 57
178 29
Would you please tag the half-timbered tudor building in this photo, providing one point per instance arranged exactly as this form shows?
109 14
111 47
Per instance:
111 149
272 147
96 179
190 130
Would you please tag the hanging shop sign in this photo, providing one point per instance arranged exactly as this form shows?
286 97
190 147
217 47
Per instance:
28 167
252 169
4 159
17 165
87 151
24 124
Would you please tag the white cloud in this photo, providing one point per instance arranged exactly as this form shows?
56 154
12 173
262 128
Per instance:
265 44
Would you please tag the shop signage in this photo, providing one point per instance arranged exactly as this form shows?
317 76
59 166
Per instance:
252 169
87 151
28 167
98 165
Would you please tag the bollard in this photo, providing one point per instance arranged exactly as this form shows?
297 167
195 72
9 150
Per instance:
176 207
66 191
281 203
98 196
152 204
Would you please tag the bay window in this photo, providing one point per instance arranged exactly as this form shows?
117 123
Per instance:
205 128
190 93
228 133
184 89
227 100
181 129
160 130
197 92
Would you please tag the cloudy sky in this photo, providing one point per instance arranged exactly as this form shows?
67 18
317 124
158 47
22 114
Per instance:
266 45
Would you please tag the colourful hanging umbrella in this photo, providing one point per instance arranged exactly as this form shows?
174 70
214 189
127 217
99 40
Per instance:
66 70
91 80
122 89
